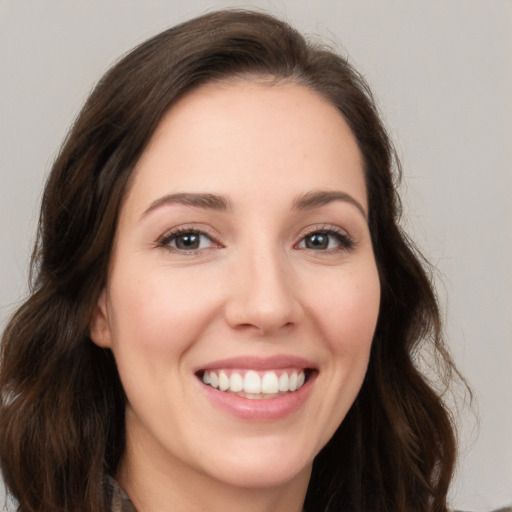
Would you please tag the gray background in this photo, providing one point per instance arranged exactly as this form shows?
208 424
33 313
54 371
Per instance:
441 72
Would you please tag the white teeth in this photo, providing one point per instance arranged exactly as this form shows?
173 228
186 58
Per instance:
254 385
236 383
223 381
283 382
292 384
252 382
269 383
214 380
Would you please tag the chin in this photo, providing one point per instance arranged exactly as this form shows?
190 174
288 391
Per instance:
263 475
265 465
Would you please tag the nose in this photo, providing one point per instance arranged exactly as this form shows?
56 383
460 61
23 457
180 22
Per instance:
262 293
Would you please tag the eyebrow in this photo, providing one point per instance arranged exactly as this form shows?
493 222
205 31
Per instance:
318 198
307 201
207 201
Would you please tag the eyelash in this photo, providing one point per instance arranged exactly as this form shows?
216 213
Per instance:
165 241
346 243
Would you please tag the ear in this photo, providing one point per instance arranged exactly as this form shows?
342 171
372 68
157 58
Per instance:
99 328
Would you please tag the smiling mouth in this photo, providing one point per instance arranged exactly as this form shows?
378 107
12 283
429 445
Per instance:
256 385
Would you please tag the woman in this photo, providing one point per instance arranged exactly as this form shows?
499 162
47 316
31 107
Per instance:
225 313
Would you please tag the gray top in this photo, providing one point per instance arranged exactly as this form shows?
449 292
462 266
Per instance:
118 499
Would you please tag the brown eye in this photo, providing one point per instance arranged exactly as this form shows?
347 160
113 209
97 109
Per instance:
317 241
187 241
327 240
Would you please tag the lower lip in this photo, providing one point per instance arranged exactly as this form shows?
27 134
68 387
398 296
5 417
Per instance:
269 409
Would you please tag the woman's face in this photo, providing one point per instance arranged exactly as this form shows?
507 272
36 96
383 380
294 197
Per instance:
242 269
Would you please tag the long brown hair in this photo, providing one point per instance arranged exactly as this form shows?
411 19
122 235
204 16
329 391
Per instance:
62 404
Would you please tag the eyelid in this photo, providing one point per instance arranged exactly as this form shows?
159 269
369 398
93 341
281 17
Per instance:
163 240
347 243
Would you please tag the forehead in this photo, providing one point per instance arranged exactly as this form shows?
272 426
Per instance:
246 137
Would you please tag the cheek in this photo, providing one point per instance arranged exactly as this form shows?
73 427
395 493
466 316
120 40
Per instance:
348 309
151 311
345 308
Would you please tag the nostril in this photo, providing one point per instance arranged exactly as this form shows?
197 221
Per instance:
263 329
266 301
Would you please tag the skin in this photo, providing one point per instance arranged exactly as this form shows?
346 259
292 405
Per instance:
253 287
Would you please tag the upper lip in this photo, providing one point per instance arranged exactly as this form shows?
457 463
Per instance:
276 362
